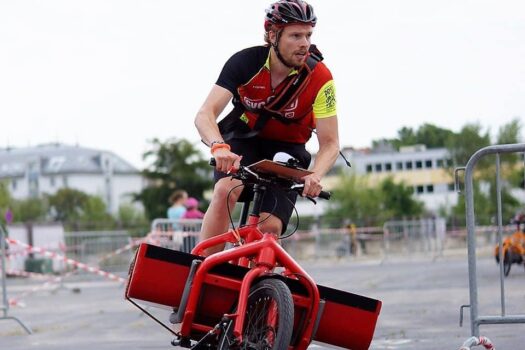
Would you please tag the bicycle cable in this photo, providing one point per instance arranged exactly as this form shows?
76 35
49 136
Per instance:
230 215
296 215
228 204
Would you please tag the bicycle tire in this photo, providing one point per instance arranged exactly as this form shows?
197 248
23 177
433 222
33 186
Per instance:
507 263
262 332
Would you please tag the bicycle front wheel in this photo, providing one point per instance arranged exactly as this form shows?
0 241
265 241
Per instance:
269 316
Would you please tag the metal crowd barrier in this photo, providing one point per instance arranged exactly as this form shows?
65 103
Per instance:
408 237
404 238
94 248
475 319
181 234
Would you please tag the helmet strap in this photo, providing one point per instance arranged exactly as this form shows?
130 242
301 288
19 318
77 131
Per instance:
276 48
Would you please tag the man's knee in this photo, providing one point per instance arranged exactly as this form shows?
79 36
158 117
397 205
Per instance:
272 224
225 189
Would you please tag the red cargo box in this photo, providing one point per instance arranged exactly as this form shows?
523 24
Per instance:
158 277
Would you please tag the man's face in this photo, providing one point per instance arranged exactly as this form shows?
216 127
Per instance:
294 43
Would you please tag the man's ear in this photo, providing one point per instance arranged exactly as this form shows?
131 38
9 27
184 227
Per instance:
272 35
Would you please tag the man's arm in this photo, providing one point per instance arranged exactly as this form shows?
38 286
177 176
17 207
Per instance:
206 119
328 137
206 123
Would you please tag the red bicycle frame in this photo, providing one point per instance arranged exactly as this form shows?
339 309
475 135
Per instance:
264 252
206 292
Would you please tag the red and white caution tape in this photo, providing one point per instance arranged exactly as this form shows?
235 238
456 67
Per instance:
17 301
474 341
68 261
123 249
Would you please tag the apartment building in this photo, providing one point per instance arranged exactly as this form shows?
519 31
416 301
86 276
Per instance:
33 171
428 171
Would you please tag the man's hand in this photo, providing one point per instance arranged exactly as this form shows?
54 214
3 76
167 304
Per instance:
312 185
226 160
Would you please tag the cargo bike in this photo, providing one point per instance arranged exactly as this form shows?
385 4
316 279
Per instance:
253 295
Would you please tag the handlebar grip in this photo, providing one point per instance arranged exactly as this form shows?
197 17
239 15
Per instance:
325 195
212 162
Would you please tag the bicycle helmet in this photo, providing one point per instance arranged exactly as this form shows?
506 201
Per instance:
285 12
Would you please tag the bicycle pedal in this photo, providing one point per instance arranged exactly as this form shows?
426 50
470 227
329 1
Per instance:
182 342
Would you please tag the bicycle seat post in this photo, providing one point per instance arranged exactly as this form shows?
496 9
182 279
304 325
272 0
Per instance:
258 191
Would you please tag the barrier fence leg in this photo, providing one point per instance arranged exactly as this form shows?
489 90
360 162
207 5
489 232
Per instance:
5 302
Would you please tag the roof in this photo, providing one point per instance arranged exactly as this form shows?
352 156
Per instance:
57 158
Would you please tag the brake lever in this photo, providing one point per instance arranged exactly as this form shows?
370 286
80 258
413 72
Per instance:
311 200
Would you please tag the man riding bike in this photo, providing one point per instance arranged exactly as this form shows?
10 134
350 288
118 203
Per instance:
281 93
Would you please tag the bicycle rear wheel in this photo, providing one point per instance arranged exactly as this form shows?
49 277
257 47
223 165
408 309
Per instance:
507 263
268 320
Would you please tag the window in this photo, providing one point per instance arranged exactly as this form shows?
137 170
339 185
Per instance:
52 181
419 164
430 188
420 189
64 180
439 163
388 167
379 167
399 165
428 164
451 187
369 168
13 184
408 165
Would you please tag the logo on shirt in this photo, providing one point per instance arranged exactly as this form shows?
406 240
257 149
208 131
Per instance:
289 111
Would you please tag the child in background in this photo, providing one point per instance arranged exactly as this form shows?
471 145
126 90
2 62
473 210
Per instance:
178 208
192 209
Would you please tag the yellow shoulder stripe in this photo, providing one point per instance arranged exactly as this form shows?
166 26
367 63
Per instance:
325 104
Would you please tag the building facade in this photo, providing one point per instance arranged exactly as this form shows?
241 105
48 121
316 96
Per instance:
427 171
33 171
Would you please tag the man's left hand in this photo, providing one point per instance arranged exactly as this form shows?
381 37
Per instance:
312 185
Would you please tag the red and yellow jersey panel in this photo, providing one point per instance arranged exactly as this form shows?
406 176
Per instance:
247 76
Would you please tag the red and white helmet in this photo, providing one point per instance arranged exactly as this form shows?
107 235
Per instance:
285 12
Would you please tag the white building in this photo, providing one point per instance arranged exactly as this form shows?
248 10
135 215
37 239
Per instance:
426 170
33 171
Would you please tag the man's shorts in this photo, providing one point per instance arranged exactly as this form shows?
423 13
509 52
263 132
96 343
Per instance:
255 149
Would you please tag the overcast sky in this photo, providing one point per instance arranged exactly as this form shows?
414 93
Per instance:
113 74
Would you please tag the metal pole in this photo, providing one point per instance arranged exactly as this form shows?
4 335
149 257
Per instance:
5 302
471 245
500 223
475 320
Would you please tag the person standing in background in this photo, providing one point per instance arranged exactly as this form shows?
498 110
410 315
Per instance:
177 209
192 209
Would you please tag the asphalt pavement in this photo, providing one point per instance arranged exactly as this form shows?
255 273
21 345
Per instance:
421 300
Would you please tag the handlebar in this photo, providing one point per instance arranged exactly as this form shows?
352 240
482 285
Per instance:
245 174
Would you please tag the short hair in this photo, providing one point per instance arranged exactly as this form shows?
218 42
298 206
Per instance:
178 194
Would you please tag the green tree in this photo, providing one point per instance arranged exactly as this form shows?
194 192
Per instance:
176 164
433 136
5 195
67 204
463 145
31 209
129 216
353 199
398 201
507 134
5 199
429 135
94 215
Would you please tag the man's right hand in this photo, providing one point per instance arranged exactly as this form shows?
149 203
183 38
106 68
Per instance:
226 160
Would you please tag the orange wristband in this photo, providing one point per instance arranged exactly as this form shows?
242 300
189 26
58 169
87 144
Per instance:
218 145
